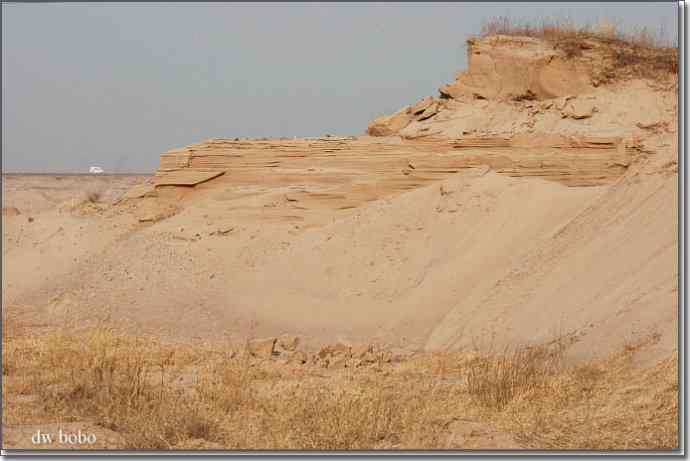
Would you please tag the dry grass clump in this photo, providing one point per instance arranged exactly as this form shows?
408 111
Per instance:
371 412
131 385
494 380
550 30
608 405
11 334
646 62
119 382
640 53
93 196
556 30
158 395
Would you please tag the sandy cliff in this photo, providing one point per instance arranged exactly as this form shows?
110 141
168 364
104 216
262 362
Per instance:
536 197
534 87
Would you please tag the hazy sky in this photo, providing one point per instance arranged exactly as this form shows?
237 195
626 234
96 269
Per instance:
116 85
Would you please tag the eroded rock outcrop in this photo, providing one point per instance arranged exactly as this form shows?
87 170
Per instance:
523 85
524 107
391 125
504 68
366 169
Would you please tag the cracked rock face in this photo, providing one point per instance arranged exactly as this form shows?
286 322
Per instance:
579 109
517 86
429 112
391 124
504 68
422 105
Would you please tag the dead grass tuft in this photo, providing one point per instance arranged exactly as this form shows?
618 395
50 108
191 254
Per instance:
93 196
638 54
608 405
558 30
494 380
157 395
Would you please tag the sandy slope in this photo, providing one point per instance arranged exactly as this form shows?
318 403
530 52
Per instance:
608 273
519 259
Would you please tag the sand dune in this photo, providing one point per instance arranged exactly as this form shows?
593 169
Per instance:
512 234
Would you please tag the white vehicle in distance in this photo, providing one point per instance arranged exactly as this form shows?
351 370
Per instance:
96 170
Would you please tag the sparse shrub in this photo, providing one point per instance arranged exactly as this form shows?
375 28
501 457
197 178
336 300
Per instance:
129 384
494 380
551 30
93 196
228 383
639 53
559 30
611 404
